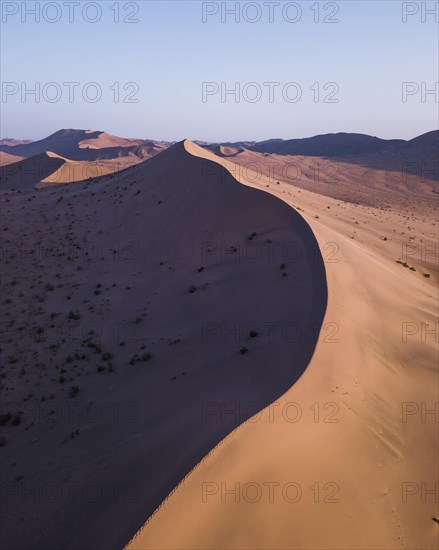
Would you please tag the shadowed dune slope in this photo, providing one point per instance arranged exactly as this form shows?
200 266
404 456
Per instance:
27 173
173 262
347 457
48 169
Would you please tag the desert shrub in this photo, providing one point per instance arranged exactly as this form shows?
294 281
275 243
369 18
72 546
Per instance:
74 315
17 419
74 390
4 418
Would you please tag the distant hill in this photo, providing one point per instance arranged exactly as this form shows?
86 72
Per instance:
343 145
420 155
11 142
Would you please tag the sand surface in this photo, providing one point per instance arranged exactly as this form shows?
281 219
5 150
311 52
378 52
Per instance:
151 309
117 338
346 457
84 155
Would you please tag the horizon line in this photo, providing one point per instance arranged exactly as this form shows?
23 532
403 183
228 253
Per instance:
219 142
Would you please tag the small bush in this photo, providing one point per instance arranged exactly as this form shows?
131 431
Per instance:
74 390
74 315
4 418
16 420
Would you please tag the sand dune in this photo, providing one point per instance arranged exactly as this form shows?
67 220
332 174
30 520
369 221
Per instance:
27 173
6 158
86 145
360 457
224 150
40 171
48 169
351 182
149 304
170 316
86 155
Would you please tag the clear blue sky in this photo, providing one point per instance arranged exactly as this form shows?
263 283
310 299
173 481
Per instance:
170 52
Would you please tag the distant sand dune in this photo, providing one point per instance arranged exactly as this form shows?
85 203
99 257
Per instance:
6 158
49 169
165 267
27 173
86 145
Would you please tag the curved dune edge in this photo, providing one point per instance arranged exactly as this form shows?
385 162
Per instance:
197 151
362 365
137 542
26 173
170 207
7 158
50 169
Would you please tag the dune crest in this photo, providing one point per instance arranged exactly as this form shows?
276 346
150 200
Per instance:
350 462
201 332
